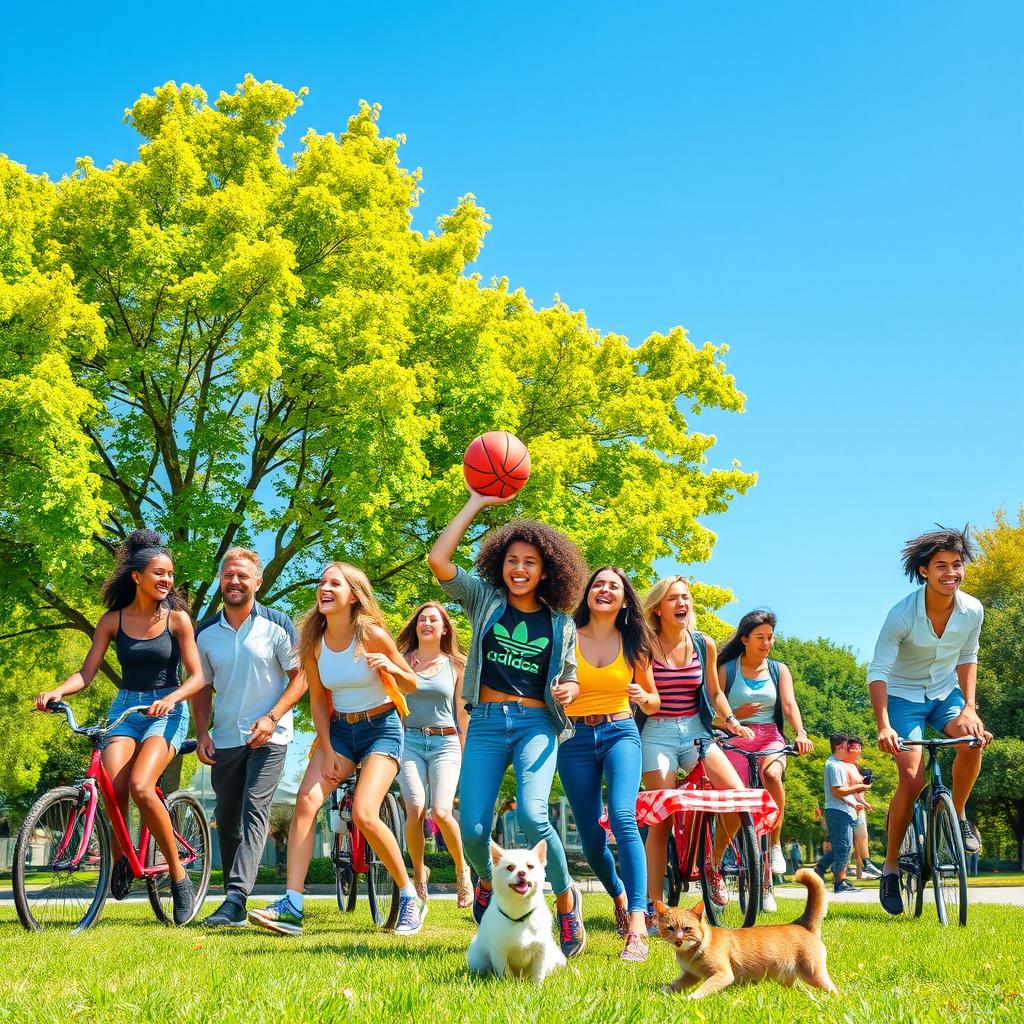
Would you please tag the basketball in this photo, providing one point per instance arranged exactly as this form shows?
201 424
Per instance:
497 464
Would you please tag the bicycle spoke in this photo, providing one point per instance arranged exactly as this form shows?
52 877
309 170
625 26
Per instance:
60 879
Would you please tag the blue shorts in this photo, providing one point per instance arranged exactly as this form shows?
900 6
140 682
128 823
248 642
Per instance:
909 717
172 728
382 734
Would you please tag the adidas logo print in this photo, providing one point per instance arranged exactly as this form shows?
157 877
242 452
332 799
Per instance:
517 648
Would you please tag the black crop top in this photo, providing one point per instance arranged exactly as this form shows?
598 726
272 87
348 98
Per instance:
148 664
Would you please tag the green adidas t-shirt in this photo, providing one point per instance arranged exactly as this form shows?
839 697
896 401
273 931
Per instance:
517 653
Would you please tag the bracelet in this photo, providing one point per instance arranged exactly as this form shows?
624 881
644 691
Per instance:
270 715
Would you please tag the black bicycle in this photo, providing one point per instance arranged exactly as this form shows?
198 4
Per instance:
933 845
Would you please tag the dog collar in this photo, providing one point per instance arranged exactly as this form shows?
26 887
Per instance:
517 920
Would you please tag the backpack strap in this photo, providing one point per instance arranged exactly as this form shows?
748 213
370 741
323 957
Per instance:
730 674
705 711
780 720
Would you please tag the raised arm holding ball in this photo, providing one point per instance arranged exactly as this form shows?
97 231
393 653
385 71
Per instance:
520 672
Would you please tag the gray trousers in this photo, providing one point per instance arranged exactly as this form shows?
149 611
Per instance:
244 780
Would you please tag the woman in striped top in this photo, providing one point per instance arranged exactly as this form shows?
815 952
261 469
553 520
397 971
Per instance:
686 675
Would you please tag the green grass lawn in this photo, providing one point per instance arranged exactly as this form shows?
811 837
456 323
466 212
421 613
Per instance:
130 969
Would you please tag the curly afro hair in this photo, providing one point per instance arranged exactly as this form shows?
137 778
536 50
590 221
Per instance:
565 572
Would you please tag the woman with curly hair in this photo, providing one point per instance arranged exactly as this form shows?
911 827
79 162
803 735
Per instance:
613 658
147 622
434 734
520 675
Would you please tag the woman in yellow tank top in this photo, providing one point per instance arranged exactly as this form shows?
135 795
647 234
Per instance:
613 656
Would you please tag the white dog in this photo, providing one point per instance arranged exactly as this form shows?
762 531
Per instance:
515 933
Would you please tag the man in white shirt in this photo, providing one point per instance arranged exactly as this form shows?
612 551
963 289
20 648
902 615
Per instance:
924 672
248 657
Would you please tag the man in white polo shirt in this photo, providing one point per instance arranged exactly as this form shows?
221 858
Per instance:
249 661
924 673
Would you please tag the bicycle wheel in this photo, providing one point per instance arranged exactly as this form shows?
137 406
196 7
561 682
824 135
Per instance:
381 888
53 886
912 869
949 865
741 874
191 829
345 888
673 876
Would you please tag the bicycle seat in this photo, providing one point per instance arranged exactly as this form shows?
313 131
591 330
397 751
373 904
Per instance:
188 747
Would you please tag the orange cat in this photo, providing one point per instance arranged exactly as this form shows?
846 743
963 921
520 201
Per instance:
713 958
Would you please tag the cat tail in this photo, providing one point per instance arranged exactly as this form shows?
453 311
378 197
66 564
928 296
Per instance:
817 900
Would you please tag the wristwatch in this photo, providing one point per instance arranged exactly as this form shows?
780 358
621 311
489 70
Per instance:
270 715
732 718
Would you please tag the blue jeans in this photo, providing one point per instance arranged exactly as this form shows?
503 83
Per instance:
840 834
611 750
526 738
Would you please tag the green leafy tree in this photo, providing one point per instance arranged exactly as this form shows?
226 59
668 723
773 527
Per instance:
830 686
996 579
230 348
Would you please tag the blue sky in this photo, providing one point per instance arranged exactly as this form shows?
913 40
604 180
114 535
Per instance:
832 190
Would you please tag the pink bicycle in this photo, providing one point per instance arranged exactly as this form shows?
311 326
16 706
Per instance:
62 856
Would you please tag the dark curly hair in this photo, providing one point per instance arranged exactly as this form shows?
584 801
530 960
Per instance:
919 551
137 551
564 568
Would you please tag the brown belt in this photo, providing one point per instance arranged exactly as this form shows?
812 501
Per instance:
600 719
362 716
434 730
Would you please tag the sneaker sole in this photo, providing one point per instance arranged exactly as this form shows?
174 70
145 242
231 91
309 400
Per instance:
223 924
275 926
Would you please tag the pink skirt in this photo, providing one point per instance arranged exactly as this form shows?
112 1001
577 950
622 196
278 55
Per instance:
766 737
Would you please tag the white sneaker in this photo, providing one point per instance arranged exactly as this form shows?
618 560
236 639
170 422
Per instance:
778 860
768 904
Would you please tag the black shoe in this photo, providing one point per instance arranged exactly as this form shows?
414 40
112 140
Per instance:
971 844
184 900
889 894
121 879
230 914
845 886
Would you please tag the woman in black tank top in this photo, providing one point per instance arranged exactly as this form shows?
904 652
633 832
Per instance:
152 636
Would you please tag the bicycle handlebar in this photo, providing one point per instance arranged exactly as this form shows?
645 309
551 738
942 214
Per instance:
91 730
970 741
789 748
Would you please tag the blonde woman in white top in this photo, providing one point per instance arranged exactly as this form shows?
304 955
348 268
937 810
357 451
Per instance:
344 647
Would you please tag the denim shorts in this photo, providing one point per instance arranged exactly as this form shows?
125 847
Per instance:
382 734
667 743
172 728
909 717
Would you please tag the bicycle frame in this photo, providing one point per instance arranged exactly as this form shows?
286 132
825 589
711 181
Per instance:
97 783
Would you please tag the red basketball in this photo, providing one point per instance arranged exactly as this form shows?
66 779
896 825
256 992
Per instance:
497 464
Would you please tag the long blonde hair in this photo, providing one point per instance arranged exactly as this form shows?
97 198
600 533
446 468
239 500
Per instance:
407 641
657 594
365 612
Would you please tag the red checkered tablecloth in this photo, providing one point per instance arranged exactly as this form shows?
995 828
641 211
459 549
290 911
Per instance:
655 805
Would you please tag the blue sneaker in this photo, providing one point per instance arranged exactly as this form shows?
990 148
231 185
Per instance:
410 920
280 917
572 936
481 901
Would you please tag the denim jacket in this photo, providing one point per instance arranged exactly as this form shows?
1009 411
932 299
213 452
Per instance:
484 604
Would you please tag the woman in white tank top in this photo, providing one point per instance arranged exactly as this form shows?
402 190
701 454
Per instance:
435 730
344 645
